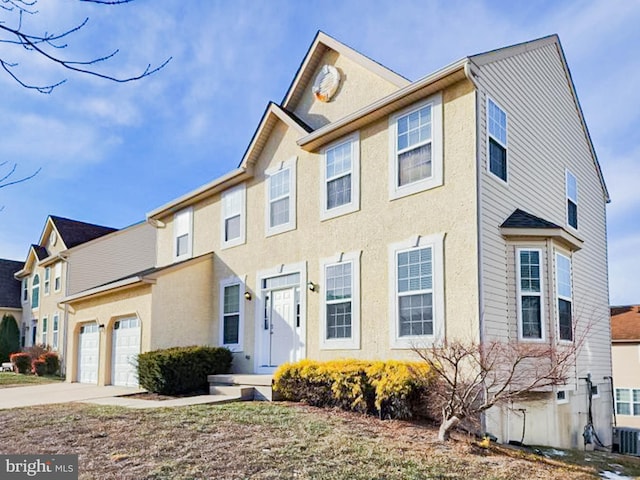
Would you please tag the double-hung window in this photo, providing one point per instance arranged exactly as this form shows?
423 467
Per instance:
529 281
417 289
281 198
628 401
54 332
35 292
564 297
231 312
340 310
497 126
572 199
341 178
25 290
416 148
57 277
44 331
47 280
233 216
182 230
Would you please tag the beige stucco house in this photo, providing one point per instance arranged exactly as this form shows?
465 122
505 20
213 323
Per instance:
371 213
625 350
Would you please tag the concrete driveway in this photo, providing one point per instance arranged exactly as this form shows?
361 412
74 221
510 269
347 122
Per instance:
63 392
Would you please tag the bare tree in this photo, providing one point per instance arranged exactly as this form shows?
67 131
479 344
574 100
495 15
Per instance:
50 46
471 377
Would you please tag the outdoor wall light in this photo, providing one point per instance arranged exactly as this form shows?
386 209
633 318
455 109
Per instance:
101 326
311 286
247 295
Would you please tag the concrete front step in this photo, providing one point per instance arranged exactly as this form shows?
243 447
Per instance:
253 387
241 392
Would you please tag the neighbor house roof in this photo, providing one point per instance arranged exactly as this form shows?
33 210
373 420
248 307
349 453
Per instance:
74 232
9 286
625 323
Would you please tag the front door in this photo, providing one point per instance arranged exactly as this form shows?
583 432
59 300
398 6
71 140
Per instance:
282 334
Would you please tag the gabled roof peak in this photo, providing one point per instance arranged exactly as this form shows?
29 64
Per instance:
321 43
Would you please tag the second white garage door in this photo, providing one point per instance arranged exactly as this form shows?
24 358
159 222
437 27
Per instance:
126 347
88 353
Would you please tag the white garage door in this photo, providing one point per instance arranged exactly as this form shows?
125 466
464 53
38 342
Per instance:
88 353
126 347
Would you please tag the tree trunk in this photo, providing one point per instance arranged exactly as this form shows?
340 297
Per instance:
445 428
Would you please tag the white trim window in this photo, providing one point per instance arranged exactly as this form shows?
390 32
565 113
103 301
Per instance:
497 140
47 280
415 148
57 277
341 178
281 198
231 313
233 226
25 290
55 331
35 292
45 325
529 288
417 290
182 234
340 308
572 199
564 297
628 401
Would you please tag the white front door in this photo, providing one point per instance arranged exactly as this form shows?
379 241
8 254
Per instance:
88 353
283 335
125 350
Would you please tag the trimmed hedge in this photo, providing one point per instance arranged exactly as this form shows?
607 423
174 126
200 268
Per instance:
21 362
389 389
181 369
51 361
39 367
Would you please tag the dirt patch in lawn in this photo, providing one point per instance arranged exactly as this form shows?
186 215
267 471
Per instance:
257 441
158 397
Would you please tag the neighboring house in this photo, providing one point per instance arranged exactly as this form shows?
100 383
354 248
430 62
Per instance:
625 351
10 290
370 214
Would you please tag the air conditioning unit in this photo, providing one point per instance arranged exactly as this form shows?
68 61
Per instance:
626 440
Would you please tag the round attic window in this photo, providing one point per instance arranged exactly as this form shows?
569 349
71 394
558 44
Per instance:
53 238
326 83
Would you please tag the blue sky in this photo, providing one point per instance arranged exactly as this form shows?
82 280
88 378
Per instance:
112 152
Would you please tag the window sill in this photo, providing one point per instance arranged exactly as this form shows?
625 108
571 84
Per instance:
416 187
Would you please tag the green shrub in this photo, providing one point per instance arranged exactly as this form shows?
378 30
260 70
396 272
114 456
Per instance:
21 362
181 369
51 361
388 389
38 367
9 337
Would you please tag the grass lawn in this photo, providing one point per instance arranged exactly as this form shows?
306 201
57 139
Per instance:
10 379
259 441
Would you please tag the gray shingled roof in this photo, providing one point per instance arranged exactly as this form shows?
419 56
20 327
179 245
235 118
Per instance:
9 286
522 219
75 233
41 252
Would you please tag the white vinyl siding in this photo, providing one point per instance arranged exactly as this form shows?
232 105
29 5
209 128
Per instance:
341 178
572 199
183 234
281 198
340 306
232 313
529 278
233 226
415 148
564 292
417 291
497 143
